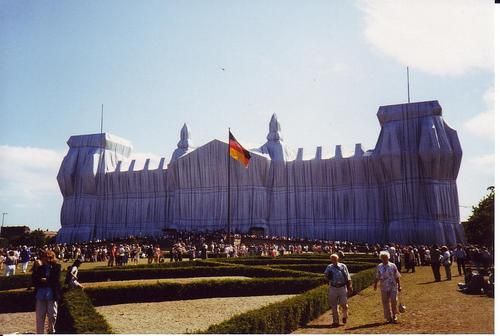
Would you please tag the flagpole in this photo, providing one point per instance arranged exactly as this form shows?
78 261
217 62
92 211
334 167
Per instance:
228 185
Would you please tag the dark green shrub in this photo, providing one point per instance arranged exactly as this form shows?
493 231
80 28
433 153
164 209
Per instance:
116 274
186 263
20 281
291 261
17 301
16 281
286 316
272 261
214 288
77 315
316 268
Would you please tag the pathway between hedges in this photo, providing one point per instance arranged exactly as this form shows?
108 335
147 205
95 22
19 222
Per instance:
431 308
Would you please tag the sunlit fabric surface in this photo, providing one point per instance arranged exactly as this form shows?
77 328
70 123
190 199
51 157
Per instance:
404 190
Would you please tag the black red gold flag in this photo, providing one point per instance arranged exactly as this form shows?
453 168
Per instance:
237 152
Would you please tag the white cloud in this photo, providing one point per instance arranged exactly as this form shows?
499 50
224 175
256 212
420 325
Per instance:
483 124
437 37
484 163
28 173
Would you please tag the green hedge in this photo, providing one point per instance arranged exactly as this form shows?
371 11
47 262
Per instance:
167 264
119 294
316 268
16 281
77 315
289 261
118 274
286 316
272 261
17 301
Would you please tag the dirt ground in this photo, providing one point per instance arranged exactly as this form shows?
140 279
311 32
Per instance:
23 323
432 307
185 316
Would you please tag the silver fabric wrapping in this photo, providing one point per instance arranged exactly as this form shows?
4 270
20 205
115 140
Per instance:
404 190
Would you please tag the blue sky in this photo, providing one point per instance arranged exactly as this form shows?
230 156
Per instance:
323 66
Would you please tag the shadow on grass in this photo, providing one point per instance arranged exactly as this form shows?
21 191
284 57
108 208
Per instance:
318 326
369 325
429 282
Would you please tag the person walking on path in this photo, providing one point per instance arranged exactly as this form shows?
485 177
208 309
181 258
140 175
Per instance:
340 283
388 275
47 291
446 261
436 262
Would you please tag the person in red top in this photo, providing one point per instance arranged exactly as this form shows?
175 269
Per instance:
112 255
157 254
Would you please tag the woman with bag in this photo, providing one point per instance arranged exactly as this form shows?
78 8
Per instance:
47 291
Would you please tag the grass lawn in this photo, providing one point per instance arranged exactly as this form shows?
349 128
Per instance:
431 308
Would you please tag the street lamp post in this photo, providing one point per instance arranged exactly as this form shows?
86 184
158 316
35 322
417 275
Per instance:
3 216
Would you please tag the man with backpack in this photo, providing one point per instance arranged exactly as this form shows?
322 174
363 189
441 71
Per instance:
340 283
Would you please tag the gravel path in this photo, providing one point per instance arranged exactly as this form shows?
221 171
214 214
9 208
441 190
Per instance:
23 323
175 317
153 281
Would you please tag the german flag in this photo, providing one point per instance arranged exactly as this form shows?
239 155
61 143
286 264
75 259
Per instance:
237 152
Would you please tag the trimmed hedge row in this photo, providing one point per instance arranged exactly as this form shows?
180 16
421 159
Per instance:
177 271
286 316
315 268
186 272
16 281
288 261
17 301
204 289
271 261
77 315
168 264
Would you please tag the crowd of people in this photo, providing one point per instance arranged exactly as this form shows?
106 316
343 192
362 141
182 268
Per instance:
395 258
191 245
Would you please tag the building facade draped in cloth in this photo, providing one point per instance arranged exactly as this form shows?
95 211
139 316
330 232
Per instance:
404 190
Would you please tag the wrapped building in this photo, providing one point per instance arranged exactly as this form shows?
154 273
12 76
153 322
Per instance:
404 190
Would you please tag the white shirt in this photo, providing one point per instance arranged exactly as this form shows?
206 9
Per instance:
388 274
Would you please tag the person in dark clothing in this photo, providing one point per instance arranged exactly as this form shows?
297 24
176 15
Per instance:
46 280
436 262
204 251
460 256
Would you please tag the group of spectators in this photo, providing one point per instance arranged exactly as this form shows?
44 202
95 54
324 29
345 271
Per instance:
190 245
46 270
408 257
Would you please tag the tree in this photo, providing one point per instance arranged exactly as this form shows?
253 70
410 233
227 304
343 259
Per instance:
35 238
479 229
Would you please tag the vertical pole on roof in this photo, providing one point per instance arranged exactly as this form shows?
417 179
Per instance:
229 184
102 116
408 82
103 144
